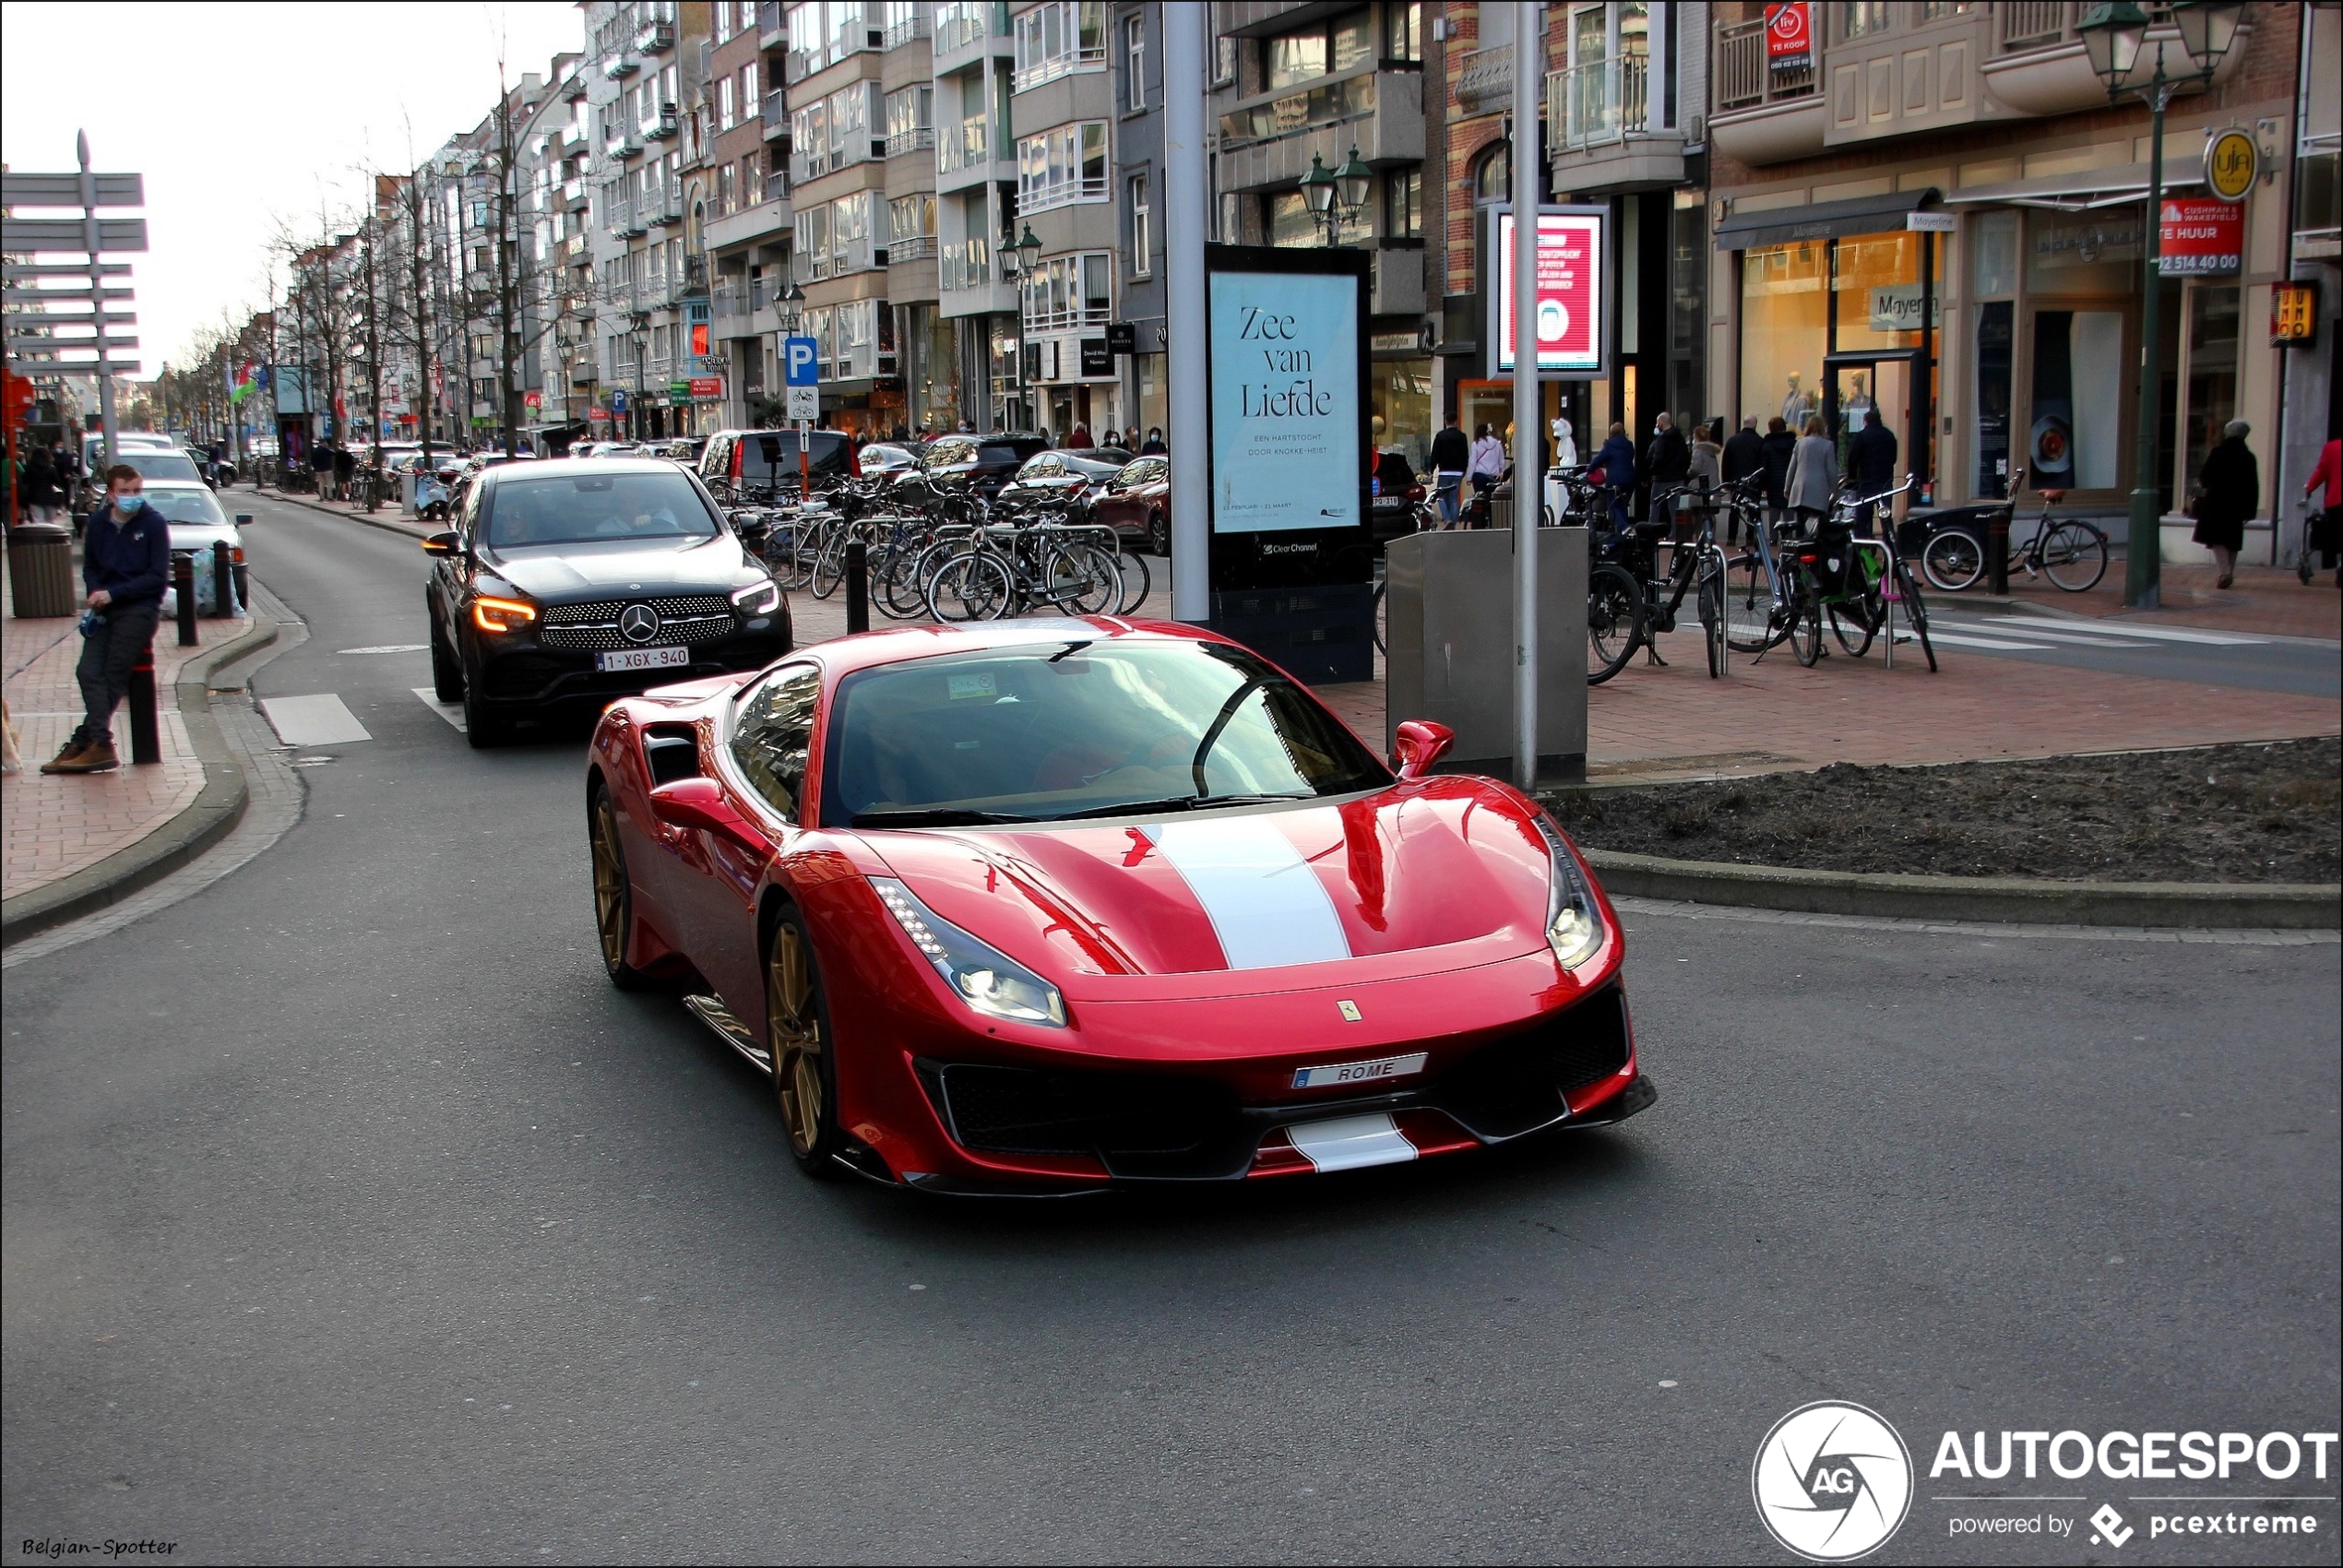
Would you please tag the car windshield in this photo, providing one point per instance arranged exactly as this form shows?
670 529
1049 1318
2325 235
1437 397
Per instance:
186 505
158 462
585 508
1083 726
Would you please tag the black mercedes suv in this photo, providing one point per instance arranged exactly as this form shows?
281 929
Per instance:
566 584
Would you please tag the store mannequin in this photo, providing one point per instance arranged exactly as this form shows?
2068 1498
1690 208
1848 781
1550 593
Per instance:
1859 404
1796 404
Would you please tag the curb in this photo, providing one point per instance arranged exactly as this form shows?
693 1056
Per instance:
388 525
216 810
2215 906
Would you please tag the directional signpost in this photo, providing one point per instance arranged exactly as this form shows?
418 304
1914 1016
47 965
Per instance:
32 316
800 374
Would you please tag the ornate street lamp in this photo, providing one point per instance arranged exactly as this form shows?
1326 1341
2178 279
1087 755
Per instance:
1352 183
2115 35
1336 196
1028 250
1317 188
792 308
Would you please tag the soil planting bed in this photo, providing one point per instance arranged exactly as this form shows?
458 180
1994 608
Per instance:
2215 813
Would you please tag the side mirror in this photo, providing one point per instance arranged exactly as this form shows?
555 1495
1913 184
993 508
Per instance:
1422 743
700 803
442 543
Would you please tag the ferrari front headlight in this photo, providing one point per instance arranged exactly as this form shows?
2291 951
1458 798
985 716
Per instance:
1574 921
980 974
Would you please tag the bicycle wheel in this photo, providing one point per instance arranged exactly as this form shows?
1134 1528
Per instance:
1082 580
971 587
1806 625
1953 560
1915 609
1614 615
893 584
1379 647
2074 555
800 547
1138 580
1752 622
1714 623
1856 621
830 569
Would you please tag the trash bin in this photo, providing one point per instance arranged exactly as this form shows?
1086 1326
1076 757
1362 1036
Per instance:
40 571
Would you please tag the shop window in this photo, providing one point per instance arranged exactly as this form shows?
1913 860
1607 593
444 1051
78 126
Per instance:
1783 333
1993 254
2212 372
1876 292
1991 421
1400 408
2084 252
2078 370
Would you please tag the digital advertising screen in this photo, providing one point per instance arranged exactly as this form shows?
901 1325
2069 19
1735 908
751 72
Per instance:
1288 424
1572 292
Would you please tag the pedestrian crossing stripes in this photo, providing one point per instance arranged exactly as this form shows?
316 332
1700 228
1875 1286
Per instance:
2101 630
452 712
317 720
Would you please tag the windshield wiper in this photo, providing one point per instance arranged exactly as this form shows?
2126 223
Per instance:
921 816
1183 803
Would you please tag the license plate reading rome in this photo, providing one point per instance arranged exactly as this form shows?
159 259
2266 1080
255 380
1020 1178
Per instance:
1359 1072
642 659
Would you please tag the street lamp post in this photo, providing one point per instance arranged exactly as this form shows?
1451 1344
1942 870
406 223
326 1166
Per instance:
2116 33
1334 196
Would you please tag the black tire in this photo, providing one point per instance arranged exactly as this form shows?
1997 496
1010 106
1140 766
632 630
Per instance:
802 1047
1379 640
614 892
1713 623
1138 580
1160 536
1915 610
1806 626
446 669
1857 620
483 726
1953 559
1751 624
2074 556
1614 621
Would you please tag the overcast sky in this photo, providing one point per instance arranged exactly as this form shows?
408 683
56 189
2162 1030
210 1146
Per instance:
243 114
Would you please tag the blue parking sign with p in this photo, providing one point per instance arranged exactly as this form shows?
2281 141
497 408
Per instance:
802 364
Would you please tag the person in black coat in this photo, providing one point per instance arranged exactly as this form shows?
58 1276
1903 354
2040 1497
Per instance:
1667 461
1778 447
1744 455
2230 493
1871 463
41 486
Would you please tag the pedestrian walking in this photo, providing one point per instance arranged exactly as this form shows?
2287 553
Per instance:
1707 459
126 560
1870 465
1080 440
2325 533
2228 491
1451 456
1488 465
1744 454
1813 469
345 467
41 491
1614 469
1778 447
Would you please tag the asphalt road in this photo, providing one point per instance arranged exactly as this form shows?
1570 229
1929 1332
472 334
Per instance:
349 1214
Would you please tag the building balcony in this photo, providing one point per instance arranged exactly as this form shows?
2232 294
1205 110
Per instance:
1268 142
1759 114
910 247
625 144
622 63
2037 64
1484 82
911 29
916 139
575 194
664 210
966 32
1395 287
765 223
655 38
484 369
967 154
776 116
1599 133
772 24
584 371
664 127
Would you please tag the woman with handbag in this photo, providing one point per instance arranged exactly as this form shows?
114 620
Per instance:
2229 489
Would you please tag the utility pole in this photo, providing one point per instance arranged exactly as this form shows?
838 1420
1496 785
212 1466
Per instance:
1528 488
1187 222
97 291
507 254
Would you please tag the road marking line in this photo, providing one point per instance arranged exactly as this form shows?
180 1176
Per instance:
1955 640
452 712
387 647
2031 630
320 720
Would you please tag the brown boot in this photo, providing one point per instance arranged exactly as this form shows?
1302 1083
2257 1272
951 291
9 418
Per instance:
65 759
98 757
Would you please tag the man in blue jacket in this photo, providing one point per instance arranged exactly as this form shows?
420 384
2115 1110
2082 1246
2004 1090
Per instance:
125 562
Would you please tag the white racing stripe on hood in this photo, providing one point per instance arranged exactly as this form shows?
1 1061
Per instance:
1266 904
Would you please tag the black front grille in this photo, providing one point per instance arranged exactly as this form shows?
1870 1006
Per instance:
693 618
1137 1125
1515 1086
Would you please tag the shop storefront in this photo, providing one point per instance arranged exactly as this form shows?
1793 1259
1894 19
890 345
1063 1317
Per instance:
1400 396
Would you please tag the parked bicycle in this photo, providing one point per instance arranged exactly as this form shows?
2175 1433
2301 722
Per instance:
2068 551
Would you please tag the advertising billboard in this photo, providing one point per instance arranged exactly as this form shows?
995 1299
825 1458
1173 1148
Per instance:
2198 237
1573 291
1288 421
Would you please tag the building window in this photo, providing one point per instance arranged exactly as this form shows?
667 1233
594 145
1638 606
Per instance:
1066 164
1134 61
1296 57
1403 202
727 192
1142 229
1403 32
912 216
1231 219
1060 37
910 119
1224 62
1860 18
1493 177
724 104
1067 292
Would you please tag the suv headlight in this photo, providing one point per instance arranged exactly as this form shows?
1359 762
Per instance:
980 974
1574 921
758 598
492 614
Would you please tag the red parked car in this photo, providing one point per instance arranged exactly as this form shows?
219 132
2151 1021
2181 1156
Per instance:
1137 503
1043 905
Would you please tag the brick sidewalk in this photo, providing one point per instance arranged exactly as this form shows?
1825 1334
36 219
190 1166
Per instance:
54 825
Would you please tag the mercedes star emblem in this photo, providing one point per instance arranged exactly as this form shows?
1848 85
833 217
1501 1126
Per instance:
638 623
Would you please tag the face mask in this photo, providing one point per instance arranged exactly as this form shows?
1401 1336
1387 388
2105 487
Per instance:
128 505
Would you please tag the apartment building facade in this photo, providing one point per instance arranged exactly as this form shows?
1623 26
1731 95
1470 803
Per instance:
741 196
973 55
1936 218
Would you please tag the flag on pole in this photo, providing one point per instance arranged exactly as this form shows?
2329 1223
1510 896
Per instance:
241 387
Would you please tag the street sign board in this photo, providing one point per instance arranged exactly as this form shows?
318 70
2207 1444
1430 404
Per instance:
2232 162
65 190
2294 312
1573 291
800 368
708 388
19 235
618 403
1097 358
2200 237
1122 338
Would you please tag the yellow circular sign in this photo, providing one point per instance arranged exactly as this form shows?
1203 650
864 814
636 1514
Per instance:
2231 162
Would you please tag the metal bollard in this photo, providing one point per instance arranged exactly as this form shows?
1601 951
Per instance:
858 586
1997 553
244 588
146 739
224 577
182 583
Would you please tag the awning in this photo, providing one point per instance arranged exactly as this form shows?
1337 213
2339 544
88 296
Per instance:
1821 221
2080 191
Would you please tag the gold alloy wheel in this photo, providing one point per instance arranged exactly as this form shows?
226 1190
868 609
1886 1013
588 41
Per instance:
794 1034
610 885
